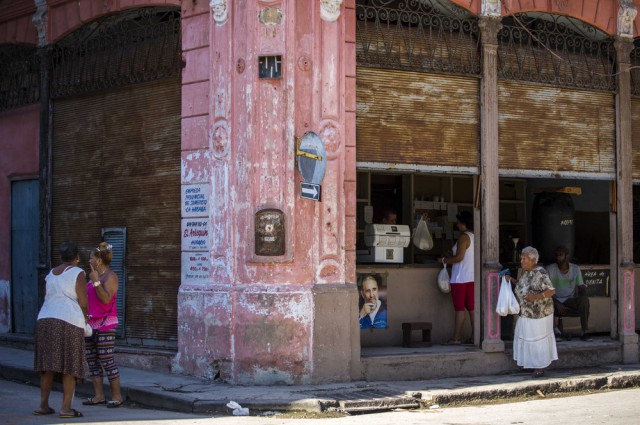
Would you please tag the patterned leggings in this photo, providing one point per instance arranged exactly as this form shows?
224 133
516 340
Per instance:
99 354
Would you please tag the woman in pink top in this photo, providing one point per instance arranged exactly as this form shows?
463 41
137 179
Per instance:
102 290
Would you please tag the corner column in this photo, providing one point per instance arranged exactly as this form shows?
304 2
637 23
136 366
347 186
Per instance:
625 306
489 211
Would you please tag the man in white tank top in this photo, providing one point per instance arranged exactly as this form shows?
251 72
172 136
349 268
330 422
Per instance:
462 277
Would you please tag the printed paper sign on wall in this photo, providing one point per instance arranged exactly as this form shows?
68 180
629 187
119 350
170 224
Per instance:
195 234
195 200
195 267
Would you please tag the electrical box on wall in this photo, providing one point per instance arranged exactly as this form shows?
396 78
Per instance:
269 232
270 67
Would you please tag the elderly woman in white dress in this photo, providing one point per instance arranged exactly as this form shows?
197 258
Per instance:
534 344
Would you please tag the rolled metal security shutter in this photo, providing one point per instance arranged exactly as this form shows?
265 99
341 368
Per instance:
556 129
116 163
418 118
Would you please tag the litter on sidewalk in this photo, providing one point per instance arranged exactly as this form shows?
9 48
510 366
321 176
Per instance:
238 410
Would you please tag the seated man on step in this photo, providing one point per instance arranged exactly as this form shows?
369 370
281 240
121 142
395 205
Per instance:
571 293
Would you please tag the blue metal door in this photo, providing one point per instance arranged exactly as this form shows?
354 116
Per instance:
24 254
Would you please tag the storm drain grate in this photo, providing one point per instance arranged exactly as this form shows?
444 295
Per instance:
368 399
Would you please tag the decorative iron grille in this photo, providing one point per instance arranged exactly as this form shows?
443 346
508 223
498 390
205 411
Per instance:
122 49
555 50
635 68
418 35
19 76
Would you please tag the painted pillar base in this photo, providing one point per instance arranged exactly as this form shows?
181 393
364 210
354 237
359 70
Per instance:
492 345
630 353
204 333
336 334
492 341
267 335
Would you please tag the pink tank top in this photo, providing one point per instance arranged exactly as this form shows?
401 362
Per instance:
100 311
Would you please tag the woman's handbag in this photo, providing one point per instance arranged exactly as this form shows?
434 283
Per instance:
88 331
422 237
507 302
443 280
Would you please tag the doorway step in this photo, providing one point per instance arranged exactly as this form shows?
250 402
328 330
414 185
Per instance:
446 361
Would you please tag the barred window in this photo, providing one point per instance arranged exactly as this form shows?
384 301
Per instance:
125 48
555 50
19 76
418 35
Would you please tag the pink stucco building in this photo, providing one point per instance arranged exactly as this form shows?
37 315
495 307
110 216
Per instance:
171 128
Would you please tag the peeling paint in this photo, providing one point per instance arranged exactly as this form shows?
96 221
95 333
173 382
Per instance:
259 327
289 308
272 376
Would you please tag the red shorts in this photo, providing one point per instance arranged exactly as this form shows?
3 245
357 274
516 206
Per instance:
462 296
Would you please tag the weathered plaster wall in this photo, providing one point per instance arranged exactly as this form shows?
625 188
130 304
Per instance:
239 134
336 334
413 296
15 23
19 130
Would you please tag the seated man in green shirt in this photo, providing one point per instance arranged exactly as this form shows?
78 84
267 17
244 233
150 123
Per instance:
571 293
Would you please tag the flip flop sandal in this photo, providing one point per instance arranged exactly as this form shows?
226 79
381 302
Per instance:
46 412
114 404
90 402
452 342
74 414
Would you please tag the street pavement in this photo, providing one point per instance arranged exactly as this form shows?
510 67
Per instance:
618 407
192 395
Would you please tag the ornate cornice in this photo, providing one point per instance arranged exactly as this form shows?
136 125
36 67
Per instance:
330 10
489 27
623 46
626 14
491 8
219 11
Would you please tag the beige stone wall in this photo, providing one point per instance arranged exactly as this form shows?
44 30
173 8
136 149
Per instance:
412 296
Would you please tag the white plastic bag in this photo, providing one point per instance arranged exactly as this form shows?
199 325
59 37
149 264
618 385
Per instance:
422 237
443 280
507 302
238 410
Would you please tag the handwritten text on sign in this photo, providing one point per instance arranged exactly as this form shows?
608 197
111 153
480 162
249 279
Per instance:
195 200
195 267
597 282
195 234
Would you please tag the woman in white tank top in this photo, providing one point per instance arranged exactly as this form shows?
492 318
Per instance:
462 277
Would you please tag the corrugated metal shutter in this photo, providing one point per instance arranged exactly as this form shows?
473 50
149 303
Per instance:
555 129
417 118
635 136
116 163
117 237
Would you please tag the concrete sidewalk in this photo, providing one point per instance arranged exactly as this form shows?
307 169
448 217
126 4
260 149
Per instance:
192 395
